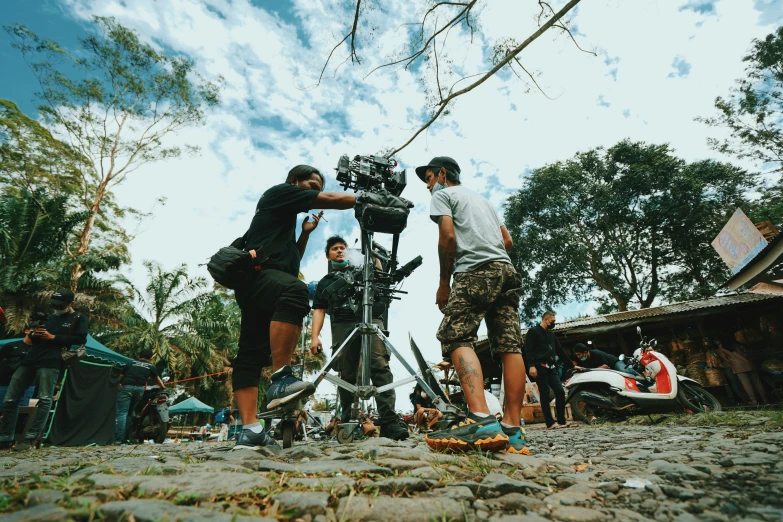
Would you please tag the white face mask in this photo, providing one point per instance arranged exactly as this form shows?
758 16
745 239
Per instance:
63 311
423 395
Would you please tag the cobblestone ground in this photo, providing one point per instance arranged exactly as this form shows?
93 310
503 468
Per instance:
625 473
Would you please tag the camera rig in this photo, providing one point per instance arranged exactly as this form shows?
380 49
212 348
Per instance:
370 173
379 209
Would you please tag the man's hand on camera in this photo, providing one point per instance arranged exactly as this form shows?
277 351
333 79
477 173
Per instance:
308 226
42 335
442 296
315 346
533 372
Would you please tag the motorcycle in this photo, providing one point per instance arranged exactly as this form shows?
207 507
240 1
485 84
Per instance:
151 416
606 394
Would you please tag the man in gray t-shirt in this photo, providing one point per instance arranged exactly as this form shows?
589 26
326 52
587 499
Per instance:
472 246
477 227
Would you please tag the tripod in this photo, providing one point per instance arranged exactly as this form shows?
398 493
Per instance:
363 389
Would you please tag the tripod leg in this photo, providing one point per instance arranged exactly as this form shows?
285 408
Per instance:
329 365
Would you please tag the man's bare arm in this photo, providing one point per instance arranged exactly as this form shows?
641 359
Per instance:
319 315
447 247
334 200
507 241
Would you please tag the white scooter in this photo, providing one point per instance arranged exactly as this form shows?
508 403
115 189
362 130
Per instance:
603 394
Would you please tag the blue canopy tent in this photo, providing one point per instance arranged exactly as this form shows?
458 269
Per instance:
85 410
190 405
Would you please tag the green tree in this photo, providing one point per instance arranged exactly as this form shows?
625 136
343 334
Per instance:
753 111
625 226
116 101
753 114
770 205
31 158
34 227
175 317
39 181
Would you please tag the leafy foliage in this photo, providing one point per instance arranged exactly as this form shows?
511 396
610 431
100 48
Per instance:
753 111
115 102
627 226
34 227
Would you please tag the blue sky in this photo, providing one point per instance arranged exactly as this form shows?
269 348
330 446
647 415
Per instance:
659 65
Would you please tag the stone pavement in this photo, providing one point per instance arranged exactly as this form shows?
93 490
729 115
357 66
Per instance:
620 472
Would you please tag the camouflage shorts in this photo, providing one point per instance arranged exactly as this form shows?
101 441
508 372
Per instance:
491 292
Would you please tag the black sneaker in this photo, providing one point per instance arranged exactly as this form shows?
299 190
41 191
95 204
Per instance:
394 431
285 386
249 439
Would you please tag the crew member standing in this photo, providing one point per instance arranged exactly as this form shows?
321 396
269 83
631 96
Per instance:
345 313
543 352
472 246
274 301
135 378
42 364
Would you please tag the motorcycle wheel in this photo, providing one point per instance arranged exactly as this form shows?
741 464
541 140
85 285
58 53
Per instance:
696 399
587 413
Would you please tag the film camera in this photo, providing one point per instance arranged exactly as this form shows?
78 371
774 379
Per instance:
379 207
371 173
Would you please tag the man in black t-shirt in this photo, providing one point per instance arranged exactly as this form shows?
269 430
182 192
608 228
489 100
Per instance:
11 357
62 330
135 378
345 313
274 302
589 357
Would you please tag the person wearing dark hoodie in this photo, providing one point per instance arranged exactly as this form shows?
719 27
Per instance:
42 364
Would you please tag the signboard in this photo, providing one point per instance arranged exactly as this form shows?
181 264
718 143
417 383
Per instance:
739 242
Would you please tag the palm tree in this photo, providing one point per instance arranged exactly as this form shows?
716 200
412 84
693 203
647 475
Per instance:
34 227
176 318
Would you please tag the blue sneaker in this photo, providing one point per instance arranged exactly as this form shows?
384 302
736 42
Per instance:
482 433
285 387
517 442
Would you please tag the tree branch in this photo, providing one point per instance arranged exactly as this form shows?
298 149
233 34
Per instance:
353 33
510 56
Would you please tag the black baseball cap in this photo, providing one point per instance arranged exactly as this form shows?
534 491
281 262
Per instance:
581 348
61 296
436 164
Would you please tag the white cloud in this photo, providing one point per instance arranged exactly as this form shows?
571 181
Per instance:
211 198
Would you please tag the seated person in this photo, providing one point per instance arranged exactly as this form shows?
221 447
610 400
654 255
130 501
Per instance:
589 357
424 412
